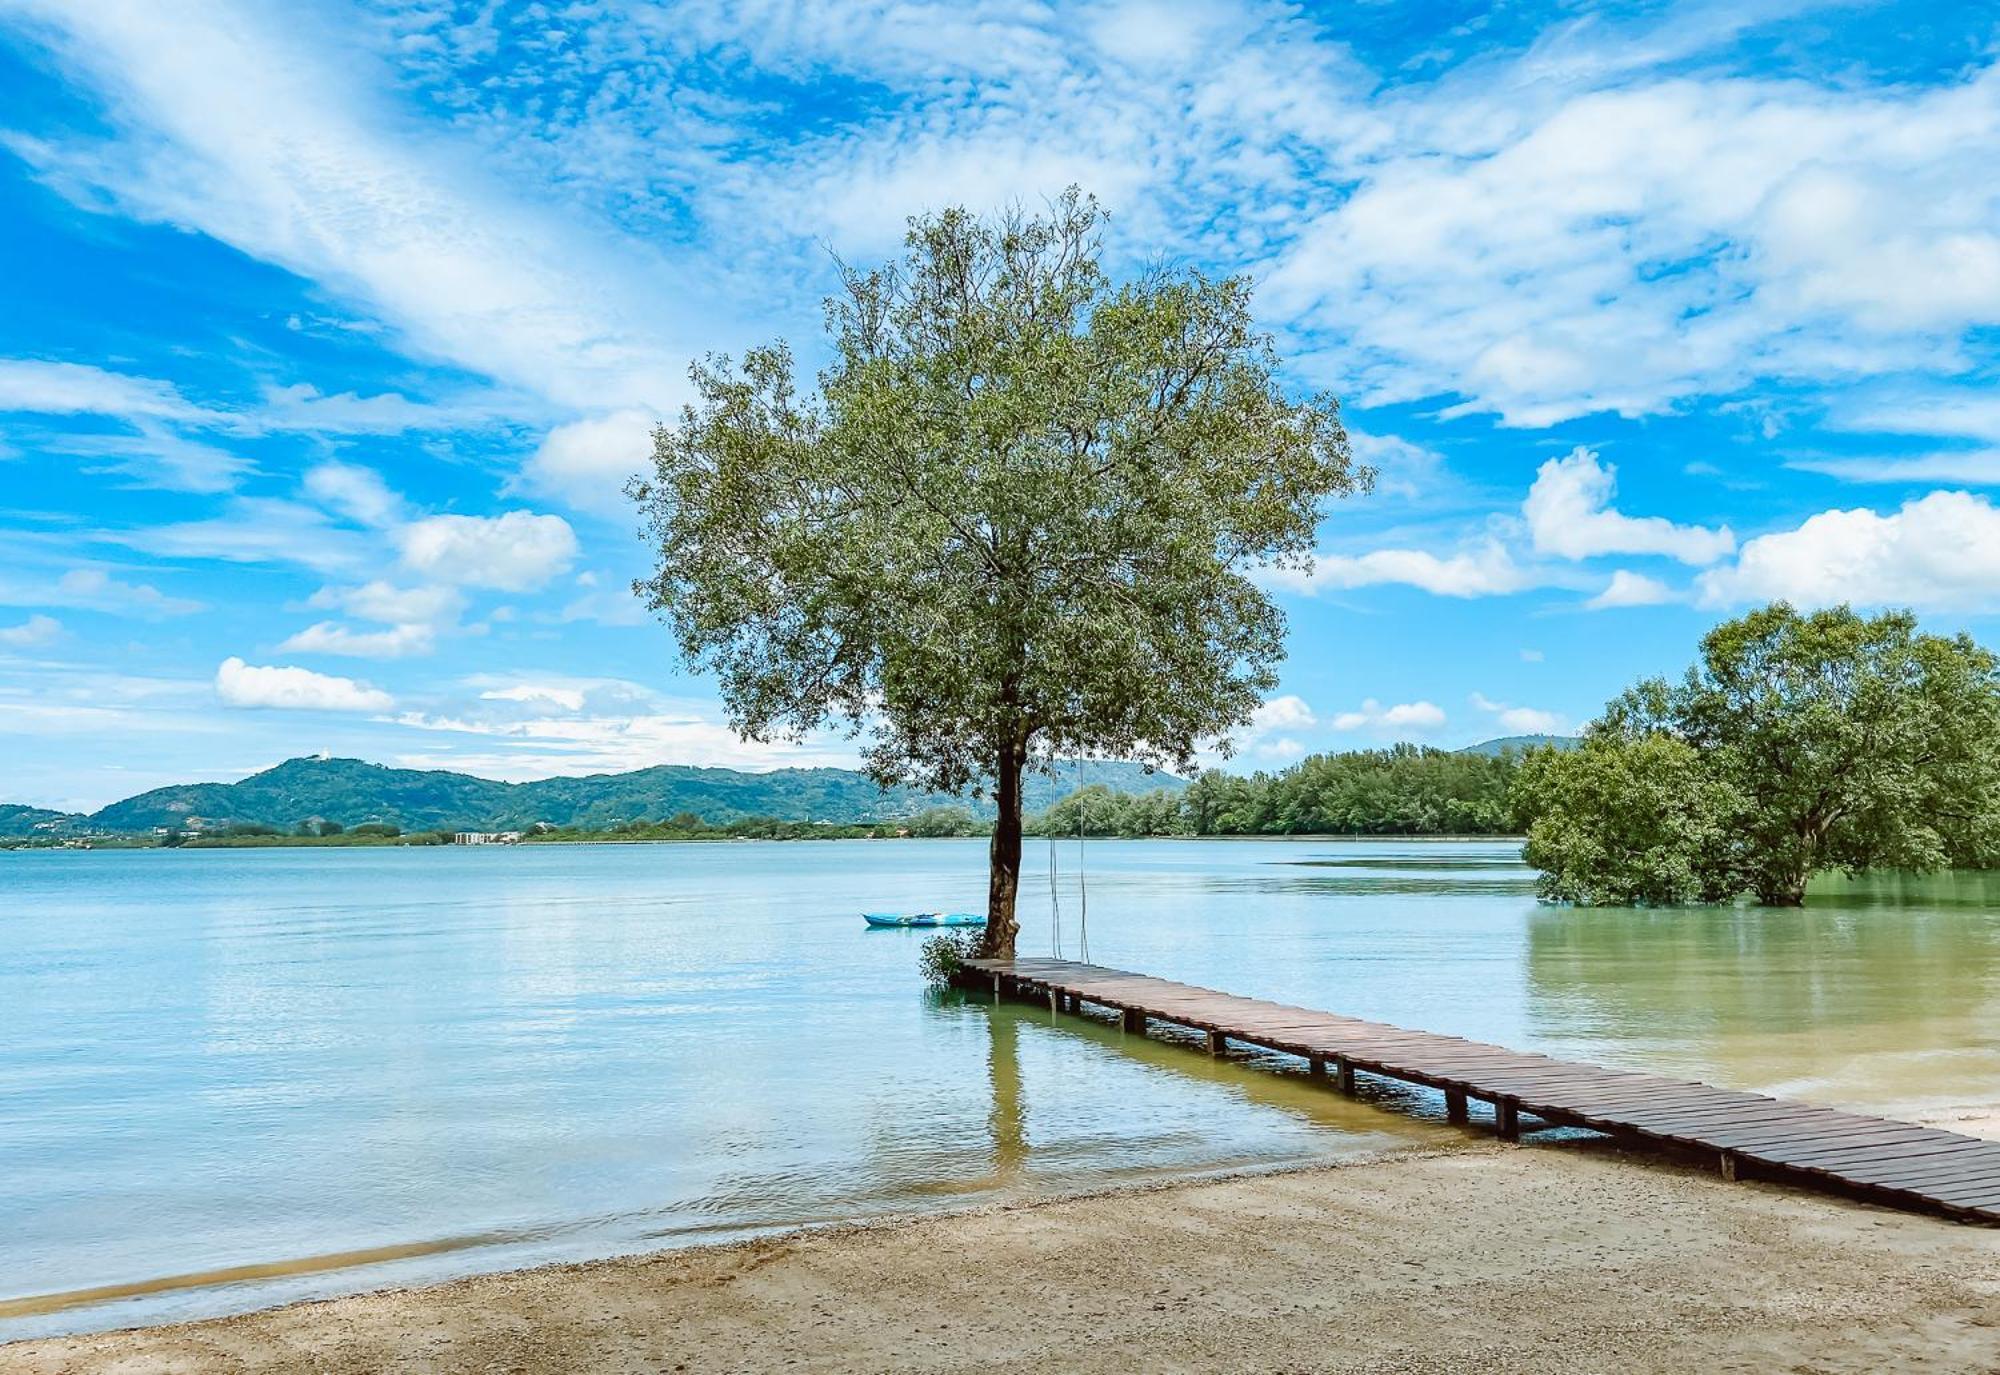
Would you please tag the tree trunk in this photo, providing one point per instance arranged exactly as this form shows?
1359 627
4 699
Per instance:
1004 878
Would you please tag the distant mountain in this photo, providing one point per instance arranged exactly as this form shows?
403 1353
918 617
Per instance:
26 821
351 791
1515 744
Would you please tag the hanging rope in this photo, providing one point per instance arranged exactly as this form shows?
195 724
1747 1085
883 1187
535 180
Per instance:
1055 901
1082 888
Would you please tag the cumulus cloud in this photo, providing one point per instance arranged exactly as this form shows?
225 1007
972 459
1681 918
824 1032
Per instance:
587 462
1486 571
1627 588
1569 514
1372 715
393 642
238 684
514 552
1937 552
32 633
1520 720
1281 713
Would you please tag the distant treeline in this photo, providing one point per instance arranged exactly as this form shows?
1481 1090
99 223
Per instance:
1407 790
930 823
1402 790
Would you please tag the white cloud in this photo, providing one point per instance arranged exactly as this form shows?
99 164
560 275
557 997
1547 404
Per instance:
358 493
42 387
1531 656
256 530
1508 248
1980 467
1486 571
1970 414
1569 514
537 694
1412 716
1520 720
587 462
393 605
1281 713
255 128
1938 552
393 642
155 458
515 552
94 589
239 684
32 633
1627 588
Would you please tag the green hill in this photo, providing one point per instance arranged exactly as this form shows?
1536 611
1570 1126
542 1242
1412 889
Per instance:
1517 744
17 820
351 791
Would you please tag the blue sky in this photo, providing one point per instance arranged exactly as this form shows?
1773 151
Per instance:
331 332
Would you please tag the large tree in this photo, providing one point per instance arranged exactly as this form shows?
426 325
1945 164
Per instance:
1013 522
1797 743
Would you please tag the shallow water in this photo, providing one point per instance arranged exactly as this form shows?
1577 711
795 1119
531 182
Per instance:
232 1078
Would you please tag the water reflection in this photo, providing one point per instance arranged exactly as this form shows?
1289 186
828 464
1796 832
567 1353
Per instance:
1882 993
217 1060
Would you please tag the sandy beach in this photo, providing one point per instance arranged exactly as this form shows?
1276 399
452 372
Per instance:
1570 1257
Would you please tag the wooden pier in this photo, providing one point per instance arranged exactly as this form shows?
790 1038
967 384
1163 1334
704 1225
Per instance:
1876 1158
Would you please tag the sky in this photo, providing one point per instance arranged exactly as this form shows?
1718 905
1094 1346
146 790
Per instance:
332 331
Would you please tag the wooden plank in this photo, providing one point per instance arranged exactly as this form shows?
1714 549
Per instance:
1880 1156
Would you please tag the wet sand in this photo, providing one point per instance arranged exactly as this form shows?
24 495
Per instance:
1556 1256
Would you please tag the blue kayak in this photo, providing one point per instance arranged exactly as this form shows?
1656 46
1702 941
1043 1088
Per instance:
923 918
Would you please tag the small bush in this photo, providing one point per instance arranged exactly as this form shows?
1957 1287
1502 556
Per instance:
945 954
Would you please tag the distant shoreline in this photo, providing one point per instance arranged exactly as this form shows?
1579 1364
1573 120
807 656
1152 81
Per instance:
403 843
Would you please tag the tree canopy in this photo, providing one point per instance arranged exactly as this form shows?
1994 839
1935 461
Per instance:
1014 521
1401 790
1797 743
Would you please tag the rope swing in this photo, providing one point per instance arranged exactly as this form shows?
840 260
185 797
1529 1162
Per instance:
1082 887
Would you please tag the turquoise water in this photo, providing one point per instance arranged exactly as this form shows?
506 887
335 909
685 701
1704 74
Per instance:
359 1067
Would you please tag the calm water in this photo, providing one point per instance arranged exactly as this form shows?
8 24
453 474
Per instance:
349 1068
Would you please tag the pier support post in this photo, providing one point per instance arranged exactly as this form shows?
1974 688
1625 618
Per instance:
1217 1043
1507 1119
1316 1066
1135 1021
1055 1001
1454 1107
1346 1069
1729 1166
996 988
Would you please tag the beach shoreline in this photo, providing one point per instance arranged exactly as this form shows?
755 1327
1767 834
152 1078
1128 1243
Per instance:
1568 1256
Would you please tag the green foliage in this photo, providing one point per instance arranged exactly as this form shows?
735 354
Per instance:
1014 521
1403 790
1628 819
1831 741
944 821
945 953
375 828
